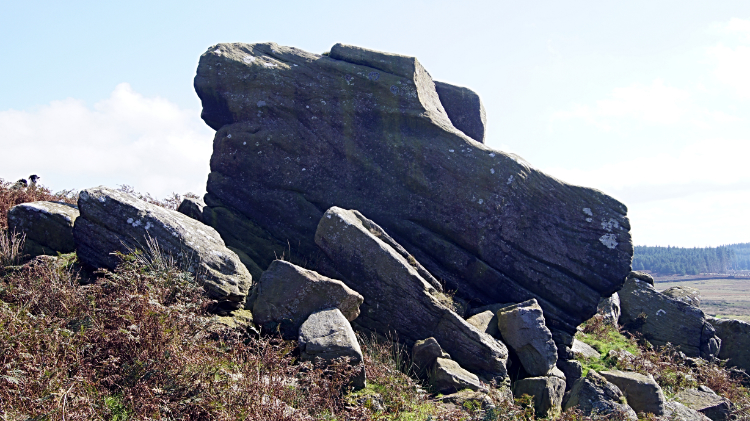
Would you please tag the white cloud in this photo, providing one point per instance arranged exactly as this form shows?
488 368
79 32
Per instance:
149 143
655 103
733 67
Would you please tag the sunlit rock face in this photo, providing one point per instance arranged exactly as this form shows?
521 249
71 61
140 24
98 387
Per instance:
299 132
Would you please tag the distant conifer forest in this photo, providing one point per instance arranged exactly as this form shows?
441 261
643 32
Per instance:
692 261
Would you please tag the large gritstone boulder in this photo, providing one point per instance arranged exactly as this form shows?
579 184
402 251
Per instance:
299 132
642 392
47 226
594 394
398 299
327 335
663 320
735 341
287 294
113 221
522 328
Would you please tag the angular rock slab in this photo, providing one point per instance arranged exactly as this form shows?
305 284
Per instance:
709 404
662 319
299 132
328 335
398 299
486 322
594 394
113 221
679 412
288 294
192 207
464 109
522 328
448 376
642 392
547 391
425 353
47 226
582 349
735 341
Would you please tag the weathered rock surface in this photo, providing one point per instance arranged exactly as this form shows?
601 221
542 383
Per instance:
447 376
192 207
687 295
113 221
288 294
47 226
594 393
572 369
327 335
679 412
548 394
299 132
582 349
609 308
397 298
735 341
662 319
522 328
642 392
464 109
709 404
486 322
463 399
425 353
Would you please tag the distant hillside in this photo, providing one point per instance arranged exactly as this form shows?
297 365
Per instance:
692 261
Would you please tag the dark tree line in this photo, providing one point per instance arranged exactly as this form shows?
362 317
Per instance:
692 261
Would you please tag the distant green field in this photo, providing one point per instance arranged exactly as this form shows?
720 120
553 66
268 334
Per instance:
725 298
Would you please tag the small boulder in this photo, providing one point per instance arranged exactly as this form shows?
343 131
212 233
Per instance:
327 335
676 411
486 322
287 294
594 393
609 308
425 353
709 404
47 226
192 207
547 391
663 320
735 341
464 109
114 221
687 295
448 376
469 398
522 328
642 392
582 349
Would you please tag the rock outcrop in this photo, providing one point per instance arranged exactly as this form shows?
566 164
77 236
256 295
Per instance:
299 132
327 335
113 221
735 341
397 298
288 294
663 320
47 227
522 328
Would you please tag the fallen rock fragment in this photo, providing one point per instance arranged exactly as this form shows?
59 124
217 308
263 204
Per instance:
609 308
735 341
464 109
47 227
642 392
425 353
707 403
522 328
594 393
192 207
679 412
287 294
447 376
547 392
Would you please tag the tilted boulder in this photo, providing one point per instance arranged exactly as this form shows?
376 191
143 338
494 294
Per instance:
642 392
447 376
114 221
547 391
327 335
735 341
287 294
486 322
47 227
594 394
397 298
687 295
609 308
424 354
522 328
707 403
464 109
663 320
299 132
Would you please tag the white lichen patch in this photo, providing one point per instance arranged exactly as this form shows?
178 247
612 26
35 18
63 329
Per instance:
492 170
510 179
269 65
481 201
588 212
610 225
244 143
660 312
129 221
589 219
451 150
102 199
248 59
229 135
148 225
492 154
609 240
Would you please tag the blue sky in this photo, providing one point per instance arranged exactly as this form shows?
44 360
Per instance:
648 101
